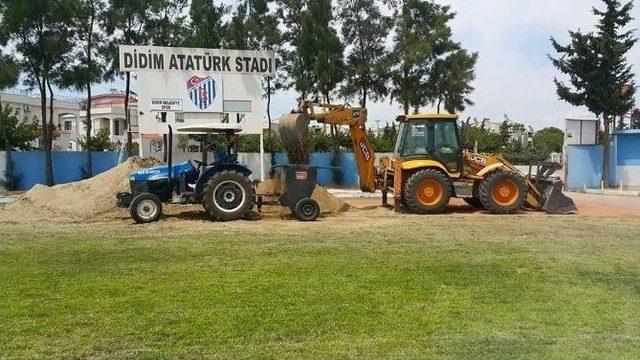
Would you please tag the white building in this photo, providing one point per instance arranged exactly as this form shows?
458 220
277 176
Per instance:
107 112
65 116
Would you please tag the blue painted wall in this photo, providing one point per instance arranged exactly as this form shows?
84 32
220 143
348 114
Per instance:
584 166
628 149
28 166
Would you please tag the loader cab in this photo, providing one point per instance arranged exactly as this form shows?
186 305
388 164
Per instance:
430 137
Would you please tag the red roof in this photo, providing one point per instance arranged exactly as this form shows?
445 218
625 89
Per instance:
113 99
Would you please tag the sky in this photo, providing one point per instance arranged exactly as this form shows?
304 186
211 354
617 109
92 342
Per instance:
514 75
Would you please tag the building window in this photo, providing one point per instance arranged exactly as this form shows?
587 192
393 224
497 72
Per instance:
68 125
179 117
116 127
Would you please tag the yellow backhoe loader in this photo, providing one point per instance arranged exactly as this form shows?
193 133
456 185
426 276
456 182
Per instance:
429 165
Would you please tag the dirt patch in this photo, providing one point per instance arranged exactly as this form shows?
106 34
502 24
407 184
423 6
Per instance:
329 204
75 201
269 187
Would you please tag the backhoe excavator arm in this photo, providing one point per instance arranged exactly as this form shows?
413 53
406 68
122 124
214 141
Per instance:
353 117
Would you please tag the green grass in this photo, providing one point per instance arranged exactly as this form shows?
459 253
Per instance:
419 287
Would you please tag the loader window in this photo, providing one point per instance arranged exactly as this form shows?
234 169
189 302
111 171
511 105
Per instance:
446 147
414 139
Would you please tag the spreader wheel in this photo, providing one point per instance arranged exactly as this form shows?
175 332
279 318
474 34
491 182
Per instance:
502 192
145 208
307 209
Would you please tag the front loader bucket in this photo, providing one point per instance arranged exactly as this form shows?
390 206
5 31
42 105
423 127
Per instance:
293 130
553 201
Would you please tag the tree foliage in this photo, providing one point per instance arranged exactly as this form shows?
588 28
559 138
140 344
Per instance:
9 71
428 66
166 23
313 59
365 31
98 142
600 76
86 63
39 30
549 139
254 27
16 134
206 26
450 80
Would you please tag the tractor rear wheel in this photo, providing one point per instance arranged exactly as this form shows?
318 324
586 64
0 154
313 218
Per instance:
427 192
228 195
502 192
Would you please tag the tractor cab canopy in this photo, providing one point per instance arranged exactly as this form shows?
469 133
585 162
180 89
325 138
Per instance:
219 128
230 131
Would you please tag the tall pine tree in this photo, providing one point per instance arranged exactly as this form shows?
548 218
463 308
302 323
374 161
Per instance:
365 31
40 33
127 22
600 76
254 27
86 66
450 81
207 28
422 34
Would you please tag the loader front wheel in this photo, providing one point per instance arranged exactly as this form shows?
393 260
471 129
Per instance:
228 195
502 192
427 192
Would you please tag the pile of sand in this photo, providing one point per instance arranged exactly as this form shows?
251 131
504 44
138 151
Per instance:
77 201
328 203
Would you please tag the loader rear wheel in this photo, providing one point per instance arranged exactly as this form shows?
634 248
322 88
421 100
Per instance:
228 195
427 192
502 192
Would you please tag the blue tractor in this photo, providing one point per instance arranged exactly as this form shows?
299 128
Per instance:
222 187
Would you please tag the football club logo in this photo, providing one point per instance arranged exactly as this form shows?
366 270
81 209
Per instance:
201 91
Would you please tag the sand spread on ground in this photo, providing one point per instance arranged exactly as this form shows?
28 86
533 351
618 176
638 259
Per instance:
271 188
91 199
77 201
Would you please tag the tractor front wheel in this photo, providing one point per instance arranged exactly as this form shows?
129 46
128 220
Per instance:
228 195
502 192
145 208
427 192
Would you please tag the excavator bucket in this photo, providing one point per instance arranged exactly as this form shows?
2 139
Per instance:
293 130
553 200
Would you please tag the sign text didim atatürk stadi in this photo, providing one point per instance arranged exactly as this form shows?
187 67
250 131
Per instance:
232 62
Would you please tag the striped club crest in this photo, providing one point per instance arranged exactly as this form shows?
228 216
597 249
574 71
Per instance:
202 91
